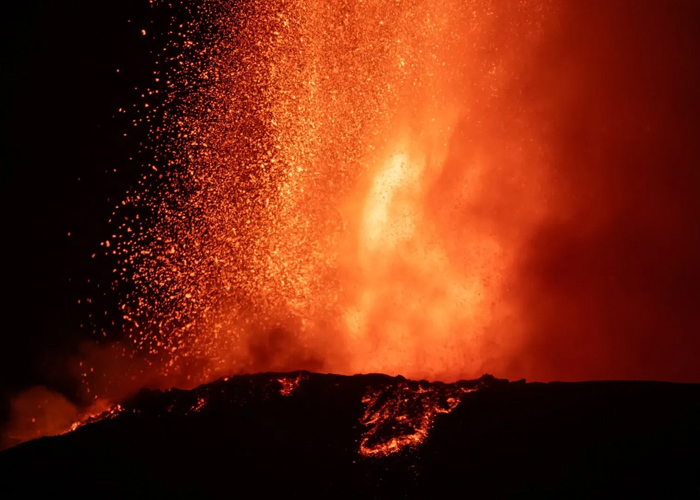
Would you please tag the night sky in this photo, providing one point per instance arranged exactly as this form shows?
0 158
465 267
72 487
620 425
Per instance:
63 139
619 271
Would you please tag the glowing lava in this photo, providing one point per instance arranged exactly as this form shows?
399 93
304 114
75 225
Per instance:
336 186
109 414
400 417
289 385
342 187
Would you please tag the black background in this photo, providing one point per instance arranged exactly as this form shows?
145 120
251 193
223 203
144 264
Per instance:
68 158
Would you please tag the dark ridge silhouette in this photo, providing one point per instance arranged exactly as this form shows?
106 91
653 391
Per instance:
299 435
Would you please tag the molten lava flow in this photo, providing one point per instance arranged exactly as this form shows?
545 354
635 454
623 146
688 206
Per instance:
109 414
400 417
289 385
342 187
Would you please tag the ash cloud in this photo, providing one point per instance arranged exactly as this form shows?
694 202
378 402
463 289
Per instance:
36 412
608 284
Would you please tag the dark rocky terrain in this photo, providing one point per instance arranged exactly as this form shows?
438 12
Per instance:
304 435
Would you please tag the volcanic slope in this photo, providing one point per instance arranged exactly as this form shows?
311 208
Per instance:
306 435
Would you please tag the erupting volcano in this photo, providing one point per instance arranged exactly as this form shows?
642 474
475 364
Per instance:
428 189
338 187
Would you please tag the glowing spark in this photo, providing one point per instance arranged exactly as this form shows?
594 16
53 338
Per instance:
307 207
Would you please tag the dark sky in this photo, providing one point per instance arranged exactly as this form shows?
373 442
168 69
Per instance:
618 271
60 124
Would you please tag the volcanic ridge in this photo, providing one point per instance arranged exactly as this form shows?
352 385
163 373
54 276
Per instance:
314 435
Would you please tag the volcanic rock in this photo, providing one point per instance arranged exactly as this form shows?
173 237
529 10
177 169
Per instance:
306 435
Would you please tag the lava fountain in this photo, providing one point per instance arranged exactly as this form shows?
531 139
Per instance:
338 187
430 189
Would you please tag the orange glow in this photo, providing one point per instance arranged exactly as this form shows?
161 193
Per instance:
341 184
289 385
432 188
197 407
96 416
400 417
339 187
40 412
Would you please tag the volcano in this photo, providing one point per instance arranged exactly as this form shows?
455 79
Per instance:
214 195
308 435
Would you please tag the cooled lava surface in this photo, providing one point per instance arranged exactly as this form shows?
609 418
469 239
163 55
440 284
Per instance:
302 435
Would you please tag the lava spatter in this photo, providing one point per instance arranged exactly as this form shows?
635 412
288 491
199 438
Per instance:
327 188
